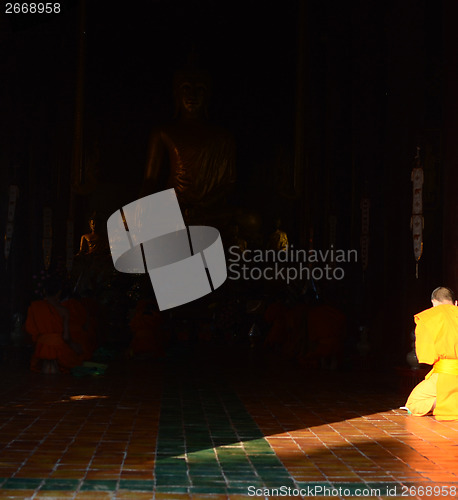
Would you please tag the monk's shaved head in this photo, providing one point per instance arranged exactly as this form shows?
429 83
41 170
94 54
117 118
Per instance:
443 295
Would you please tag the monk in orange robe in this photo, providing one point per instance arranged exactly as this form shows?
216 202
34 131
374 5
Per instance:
310 333
436 343
149 339
81 328
48 324
326 326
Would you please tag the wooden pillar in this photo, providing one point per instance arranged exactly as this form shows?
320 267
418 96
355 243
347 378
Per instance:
301 180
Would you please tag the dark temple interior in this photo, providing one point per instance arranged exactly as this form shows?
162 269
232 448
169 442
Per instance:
320 139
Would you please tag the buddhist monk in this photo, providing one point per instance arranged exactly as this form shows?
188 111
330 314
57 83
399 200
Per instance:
310 333
81 327
48 324
436 343
149 339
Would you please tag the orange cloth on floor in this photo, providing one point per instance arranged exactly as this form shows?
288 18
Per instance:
45 325
148 337
79 327
437 338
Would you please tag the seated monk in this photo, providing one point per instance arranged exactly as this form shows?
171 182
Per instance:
81 328
96 320
311 334
149 340
326 326
48 324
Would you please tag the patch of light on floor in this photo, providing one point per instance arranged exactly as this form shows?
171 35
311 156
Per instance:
83 397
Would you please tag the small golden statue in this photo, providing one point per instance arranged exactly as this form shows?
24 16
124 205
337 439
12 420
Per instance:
92 265
91 243
278 240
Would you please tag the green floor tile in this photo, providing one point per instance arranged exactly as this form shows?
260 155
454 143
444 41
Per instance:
203 417
171 466
277 484
172 481
60 484
239 468
172 489
203 455
193 459
99 485
136 485
239 490
233 459
205 471
208 481
244 482
215 490
16 483
171 462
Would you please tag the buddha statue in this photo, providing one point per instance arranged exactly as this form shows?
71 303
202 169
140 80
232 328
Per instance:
92 243
92 266
192 155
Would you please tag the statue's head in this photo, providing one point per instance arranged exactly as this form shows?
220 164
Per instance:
92 221
191 89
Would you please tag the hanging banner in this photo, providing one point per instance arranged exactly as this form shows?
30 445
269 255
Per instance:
364 240
47 236
417 220
12 201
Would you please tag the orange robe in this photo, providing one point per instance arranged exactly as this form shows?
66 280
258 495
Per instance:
45 325
80 328
436 344
311 334
326 327
96 324
148 336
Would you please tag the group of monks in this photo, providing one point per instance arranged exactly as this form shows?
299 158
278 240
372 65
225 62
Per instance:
311 334
65 330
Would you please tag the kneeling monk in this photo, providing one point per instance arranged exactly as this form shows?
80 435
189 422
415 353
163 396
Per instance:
48 324
436 343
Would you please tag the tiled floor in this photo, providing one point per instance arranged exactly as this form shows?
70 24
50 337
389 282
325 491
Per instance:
228 425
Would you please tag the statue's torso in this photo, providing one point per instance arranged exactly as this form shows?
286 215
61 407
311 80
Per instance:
201 160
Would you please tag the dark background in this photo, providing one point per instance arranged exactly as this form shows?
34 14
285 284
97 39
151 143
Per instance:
337 95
